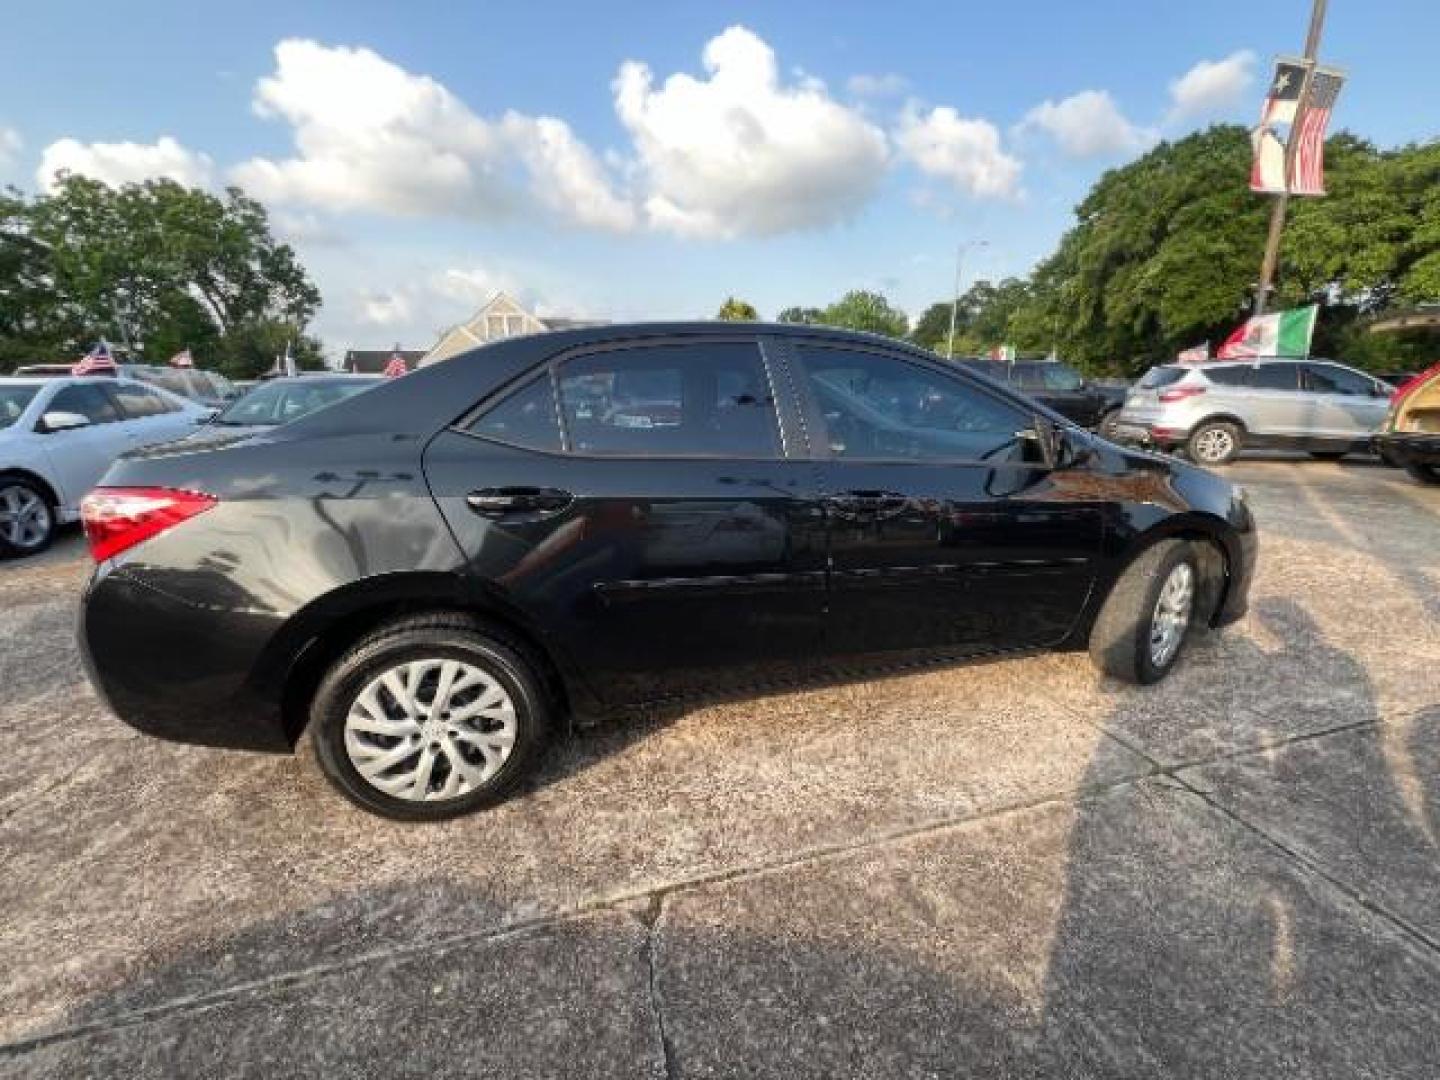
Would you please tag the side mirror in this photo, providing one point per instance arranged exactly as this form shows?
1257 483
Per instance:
62 421
1046 438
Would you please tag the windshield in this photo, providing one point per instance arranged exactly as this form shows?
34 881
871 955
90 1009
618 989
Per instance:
1157 377
280 402
13 400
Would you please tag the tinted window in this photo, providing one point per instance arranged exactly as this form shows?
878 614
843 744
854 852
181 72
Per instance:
91 402
1277 377
670 400
1157 377
525 418
1328 379
1230 375
138 401
13 400
878 406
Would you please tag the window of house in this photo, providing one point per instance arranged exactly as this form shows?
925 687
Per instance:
708 399
878 406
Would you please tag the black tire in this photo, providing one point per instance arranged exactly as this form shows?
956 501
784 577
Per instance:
16 491
440 636
1214 442
1121 637
1328 455
1424 474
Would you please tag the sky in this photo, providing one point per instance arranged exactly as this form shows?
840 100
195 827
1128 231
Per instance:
645 160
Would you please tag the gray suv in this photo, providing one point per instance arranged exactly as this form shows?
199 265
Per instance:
1213 410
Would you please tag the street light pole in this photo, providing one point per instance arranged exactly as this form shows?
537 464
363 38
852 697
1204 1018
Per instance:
955 301
1282 201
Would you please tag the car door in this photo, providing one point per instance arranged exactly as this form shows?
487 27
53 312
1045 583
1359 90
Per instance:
1274 405
946 532
79 456
153 416
1349 405
651 508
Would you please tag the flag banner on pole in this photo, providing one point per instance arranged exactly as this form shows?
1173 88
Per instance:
1281 333
395 367
182 359
97 359
1282 101
1196 354
1307 168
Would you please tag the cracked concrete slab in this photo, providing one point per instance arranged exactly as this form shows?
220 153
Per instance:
1137 933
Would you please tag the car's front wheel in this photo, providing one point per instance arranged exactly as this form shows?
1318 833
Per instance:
1425 474
1214 442
430 717
1147 618
27 521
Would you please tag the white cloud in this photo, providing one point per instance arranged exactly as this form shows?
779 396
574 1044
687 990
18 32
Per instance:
739 153
964 152
1212 86
124 162
370 135
884 85
1087 124
384 309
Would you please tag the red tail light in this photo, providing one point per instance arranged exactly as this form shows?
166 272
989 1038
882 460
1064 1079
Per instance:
118 518
1180 393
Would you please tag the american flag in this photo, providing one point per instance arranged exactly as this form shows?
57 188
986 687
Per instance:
97 359
1307 175
396 367
182 359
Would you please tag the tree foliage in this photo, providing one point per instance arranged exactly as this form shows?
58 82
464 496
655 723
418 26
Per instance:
733 310
1165 253
154 268
859 309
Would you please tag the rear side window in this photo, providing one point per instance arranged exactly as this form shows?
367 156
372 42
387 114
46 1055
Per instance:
694 400
90 401
525 418
139 401
1226 375
1158 377
1277 377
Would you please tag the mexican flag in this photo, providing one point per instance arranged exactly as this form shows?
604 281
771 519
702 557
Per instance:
1282 333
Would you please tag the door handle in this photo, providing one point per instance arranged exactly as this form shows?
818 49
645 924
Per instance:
494 502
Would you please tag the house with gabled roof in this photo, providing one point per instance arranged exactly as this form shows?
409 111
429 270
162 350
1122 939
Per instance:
502 316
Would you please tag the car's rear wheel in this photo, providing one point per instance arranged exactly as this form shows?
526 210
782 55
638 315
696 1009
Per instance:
27 520
1147 618
1214 442
1328 455
429 718
1425 474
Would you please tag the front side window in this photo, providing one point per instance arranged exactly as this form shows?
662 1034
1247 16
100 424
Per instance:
89 400
140 401
13 402
708 399
878 406
525 418
1329 379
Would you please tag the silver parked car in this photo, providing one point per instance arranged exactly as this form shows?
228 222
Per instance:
1213 410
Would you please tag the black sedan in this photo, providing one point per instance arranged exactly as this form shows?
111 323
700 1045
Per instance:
430 575
1060 387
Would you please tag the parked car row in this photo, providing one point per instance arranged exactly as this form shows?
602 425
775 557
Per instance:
430 575
208 388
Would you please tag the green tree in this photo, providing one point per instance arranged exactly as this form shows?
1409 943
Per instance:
733 310
808 316
153 267
870 311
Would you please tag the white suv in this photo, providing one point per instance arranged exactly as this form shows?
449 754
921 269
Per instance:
1213 410
57 438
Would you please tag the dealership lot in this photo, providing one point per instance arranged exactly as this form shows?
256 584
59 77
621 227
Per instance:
1010 868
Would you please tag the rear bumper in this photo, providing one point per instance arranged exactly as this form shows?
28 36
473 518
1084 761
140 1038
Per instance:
176 670
1408 448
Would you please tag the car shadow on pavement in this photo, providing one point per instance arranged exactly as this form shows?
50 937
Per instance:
1266 913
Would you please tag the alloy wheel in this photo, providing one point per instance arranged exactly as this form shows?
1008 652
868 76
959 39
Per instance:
1215 444
430 730
25 519
1171 617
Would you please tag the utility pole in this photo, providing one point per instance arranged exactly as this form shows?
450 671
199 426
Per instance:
955 302
1282 201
